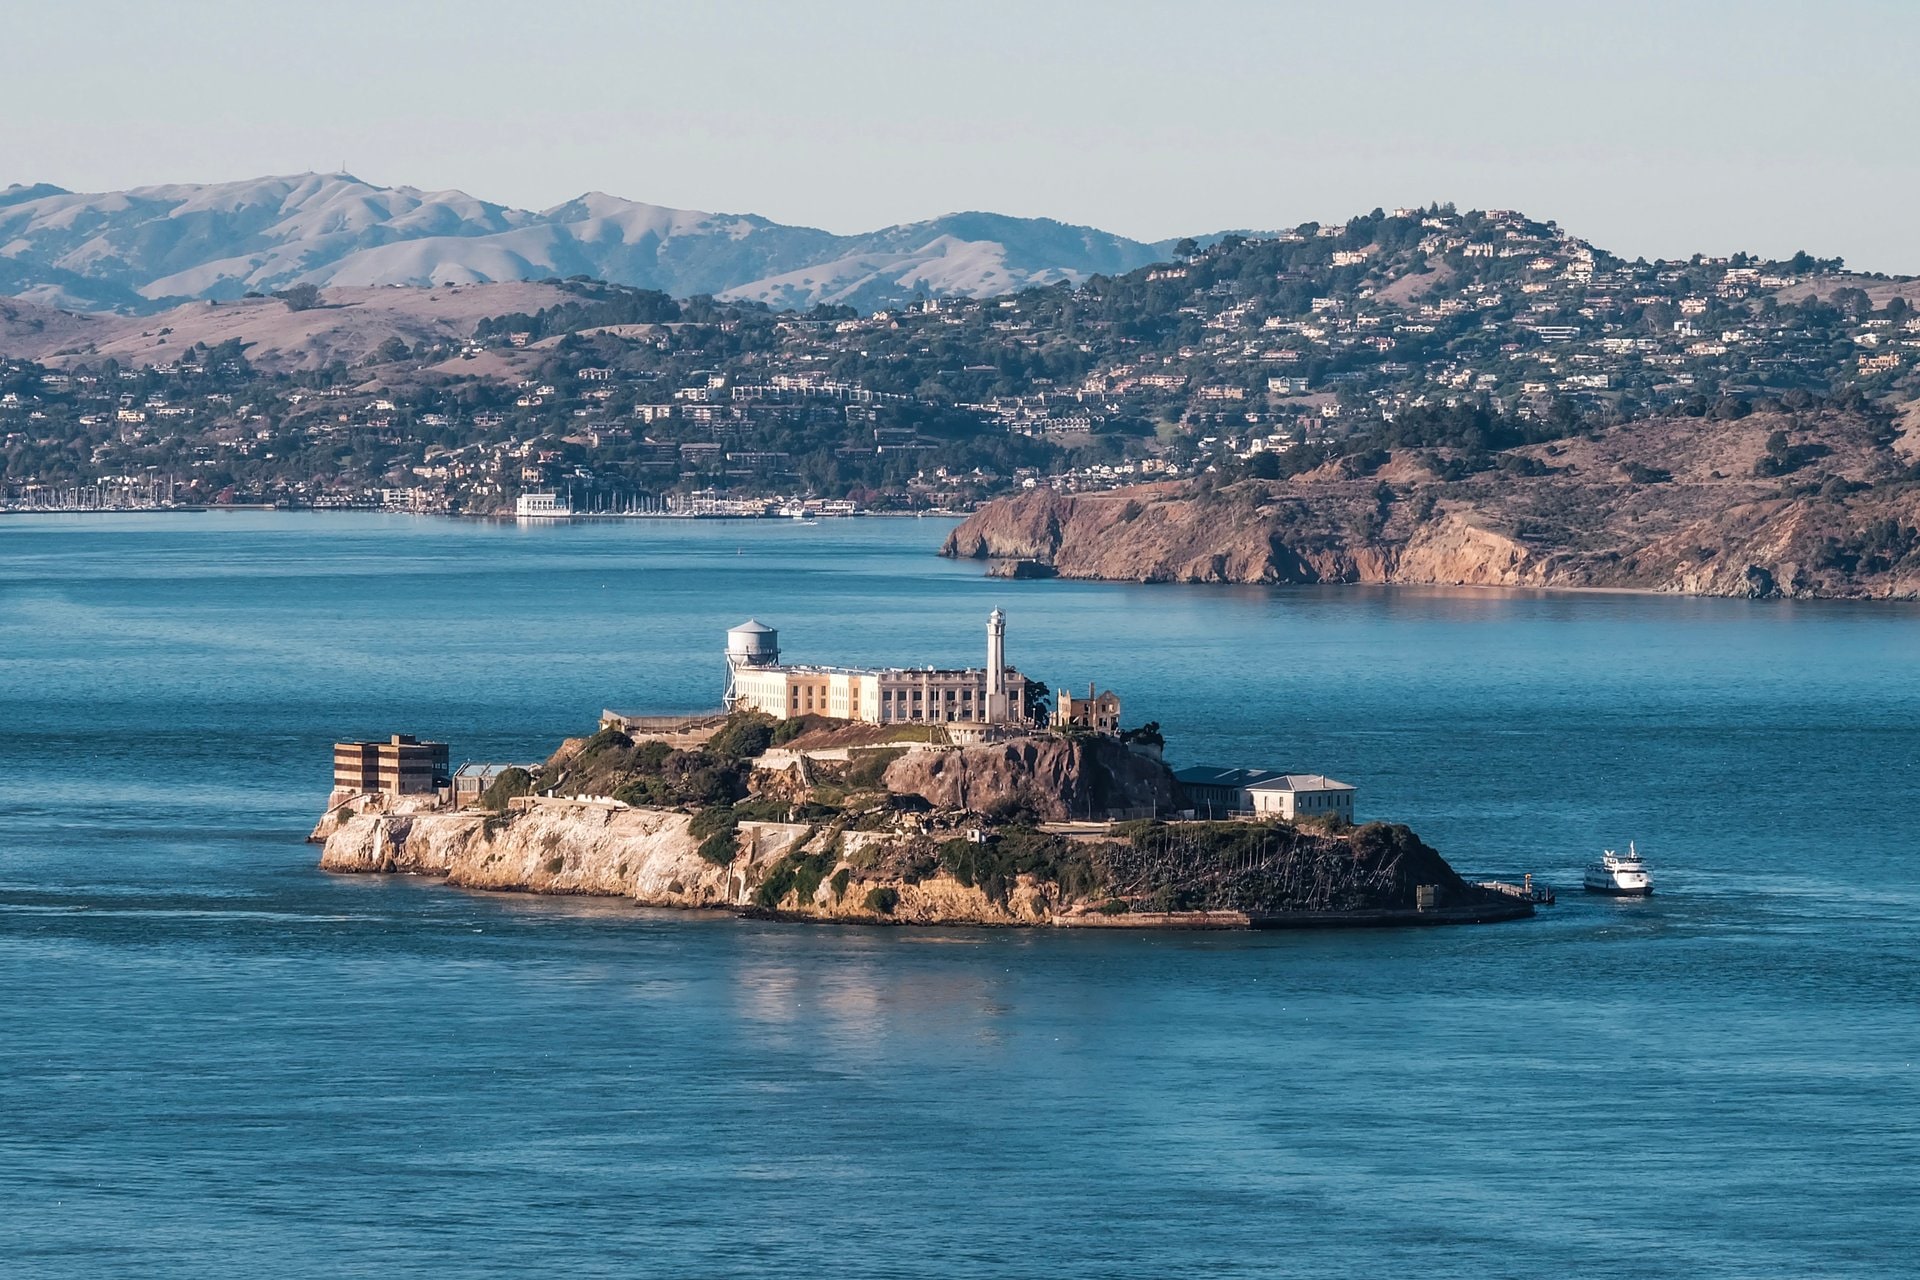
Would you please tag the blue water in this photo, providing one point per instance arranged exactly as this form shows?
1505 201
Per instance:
215 1060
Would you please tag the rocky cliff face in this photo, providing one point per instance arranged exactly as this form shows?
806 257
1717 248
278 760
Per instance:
651 857
558 847
1049 779
1841 523
1155 875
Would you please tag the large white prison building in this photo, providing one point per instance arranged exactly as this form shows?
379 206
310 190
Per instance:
757 679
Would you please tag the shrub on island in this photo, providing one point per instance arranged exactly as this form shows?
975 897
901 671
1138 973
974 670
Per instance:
509 785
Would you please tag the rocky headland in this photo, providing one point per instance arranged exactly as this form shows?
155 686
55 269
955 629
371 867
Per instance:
885 832
1817 504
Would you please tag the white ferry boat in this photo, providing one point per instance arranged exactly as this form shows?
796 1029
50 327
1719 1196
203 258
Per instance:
542 506
1624 876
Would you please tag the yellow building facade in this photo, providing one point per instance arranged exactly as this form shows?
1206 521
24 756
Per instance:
758 680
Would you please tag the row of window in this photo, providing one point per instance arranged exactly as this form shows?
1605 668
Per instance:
900 695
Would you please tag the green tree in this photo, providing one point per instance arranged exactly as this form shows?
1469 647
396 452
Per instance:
510 784
300 297
1039 698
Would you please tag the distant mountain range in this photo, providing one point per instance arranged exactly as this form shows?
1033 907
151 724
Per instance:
150 247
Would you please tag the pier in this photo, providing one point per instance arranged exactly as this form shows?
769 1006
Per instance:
1526 891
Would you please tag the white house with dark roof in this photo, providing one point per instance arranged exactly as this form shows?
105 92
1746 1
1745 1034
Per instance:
1218 793
1303 795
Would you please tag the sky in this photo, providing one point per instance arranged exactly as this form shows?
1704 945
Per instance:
1650 129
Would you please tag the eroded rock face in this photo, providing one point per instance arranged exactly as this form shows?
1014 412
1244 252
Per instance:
1053 779
1176 536
1842 526
646 854
651 857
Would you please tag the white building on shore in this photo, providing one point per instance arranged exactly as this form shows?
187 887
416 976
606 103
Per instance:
542 506
995 694
1222 793
1303 795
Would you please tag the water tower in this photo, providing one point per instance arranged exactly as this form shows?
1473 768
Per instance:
750 645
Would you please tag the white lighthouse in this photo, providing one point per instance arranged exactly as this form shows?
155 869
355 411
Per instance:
998 712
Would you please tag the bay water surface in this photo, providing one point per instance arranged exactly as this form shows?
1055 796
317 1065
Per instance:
216 1060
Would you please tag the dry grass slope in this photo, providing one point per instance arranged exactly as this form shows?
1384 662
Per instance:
349 327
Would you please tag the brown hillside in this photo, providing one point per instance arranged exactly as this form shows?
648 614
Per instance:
349 327
1675 504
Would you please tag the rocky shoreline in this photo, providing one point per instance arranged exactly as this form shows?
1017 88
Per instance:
1717 518
650 858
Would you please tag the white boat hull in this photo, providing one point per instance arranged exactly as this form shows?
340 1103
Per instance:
1619 877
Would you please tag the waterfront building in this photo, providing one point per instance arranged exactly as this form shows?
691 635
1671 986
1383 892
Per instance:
1303 795
1219 793
400 766
995 694
542 506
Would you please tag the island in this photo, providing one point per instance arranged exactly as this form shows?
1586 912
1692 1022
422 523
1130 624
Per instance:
906 795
